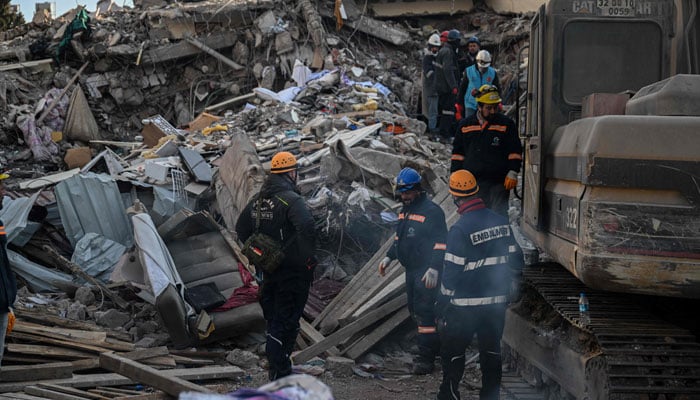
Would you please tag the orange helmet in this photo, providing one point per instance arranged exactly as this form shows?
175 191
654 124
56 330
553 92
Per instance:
282 162
463 184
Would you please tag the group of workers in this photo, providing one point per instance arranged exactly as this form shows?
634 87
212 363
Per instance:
451 80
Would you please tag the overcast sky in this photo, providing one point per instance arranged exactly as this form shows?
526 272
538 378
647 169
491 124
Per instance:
27 6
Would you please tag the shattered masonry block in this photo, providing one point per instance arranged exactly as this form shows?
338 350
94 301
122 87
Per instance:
242 358
112 318
339 366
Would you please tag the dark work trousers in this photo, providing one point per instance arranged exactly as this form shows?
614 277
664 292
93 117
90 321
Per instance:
283 303
446 115
461 325
494 195
421 305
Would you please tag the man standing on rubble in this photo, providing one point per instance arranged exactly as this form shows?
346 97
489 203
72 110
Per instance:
487 144
8 284
447 82
419 244
429 91
483 263
283 215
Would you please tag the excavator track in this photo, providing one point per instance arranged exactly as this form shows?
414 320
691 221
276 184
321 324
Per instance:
641 356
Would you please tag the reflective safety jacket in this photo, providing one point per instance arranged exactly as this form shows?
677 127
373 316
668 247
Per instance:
482 258
419 242
476 79
488 151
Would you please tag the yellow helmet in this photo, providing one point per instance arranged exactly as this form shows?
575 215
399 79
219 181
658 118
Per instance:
282 162
488 94
3 176
463 184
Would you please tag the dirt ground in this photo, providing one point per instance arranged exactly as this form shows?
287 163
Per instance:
385 385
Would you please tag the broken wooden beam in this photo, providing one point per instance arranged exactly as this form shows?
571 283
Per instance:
196 43
230 102
360 347
344 333
82 381
145 374
21 373
55 101
184 48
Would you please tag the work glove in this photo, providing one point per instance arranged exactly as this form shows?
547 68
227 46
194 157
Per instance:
10 322
511 180
383 264
430 278
455 91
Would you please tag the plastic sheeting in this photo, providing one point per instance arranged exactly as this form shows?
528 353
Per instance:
97 255
38 277
92 203
14 214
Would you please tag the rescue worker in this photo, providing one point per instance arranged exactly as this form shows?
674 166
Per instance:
429 91
479 74
482 263
284 216
466 60
8 284
446 83
419 245
487 144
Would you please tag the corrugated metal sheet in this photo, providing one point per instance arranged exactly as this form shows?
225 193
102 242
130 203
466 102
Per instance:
92 203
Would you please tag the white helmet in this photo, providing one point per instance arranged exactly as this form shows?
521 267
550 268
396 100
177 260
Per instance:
483 58
434 40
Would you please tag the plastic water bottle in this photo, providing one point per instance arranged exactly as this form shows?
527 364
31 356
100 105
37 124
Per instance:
584 316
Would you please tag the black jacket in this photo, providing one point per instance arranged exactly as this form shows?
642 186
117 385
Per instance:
285 217
8 284
487 151
421 234
446 73
429 75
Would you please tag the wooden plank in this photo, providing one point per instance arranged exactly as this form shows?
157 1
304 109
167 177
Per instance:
369 291
143 373
70 390
27 314
314 336
192 361
41 64
65 343
21 396
93 380
363 345
395 286
230 102
22 373
50 394
142 354
67 333
89 363
47 351
105 344
145 396
160 361
345 332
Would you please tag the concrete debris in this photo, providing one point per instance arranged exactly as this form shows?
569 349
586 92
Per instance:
137 140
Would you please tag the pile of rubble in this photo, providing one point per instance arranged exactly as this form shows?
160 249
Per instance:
132 159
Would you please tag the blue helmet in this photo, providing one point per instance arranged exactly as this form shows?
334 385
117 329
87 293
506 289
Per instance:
408 179
474 39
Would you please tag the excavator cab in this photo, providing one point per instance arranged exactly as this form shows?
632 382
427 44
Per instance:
610 183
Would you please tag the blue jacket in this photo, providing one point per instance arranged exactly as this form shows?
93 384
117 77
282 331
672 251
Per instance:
482 258
476 80
8 284
419 243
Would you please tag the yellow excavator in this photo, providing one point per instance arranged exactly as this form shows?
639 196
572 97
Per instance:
611 198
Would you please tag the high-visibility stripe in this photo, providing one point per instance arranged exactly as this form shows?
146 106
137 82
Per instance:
457 157
416 217
445 112
512 249
427 329
455 259
484 262
440 246
480 301
446 291
402 215
471 128
2 230
499 128
515 156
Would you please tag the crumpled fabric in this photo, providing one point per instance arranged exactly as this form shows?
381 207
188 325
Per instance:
246 294
38 138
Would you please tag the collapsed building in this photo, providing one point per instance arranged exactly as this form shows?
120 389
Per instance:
134 138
